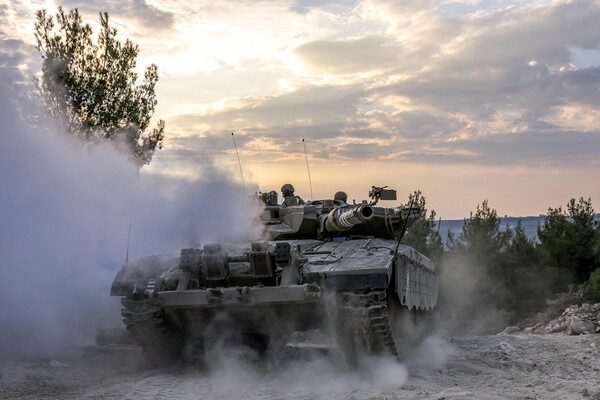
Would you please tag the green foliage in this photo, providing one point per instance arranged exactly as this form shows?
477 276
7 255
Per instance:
526 280
594 283
504 263
505 273
522 249
423 234
91 88
472 283
590 290
481 236
569 243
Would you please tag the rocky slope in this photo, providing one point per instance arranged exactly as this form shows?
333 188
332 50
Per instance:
575 320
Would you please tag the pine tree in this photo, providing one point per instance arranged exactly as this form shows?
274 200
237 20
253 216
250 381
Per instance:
91 88
423 234
569 243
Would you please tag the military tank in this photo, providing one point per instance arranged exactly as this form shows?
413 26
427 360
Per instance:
328 274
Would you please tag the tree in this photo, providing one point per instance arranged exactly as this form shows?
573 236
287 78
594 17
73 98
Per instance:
481 236
591 288
521 249
476 273
423 235
569 243
483 245
527 280
91 88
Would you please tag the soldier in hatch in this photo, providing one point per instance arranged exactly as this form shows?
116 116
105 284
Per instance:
341 196
289 199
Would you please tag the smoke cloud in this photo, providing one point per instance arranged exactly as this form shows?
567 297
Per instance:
465 306
65 211
236 371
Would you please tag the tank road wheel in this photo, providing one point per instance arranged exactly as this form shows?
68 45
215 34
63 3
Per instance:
363 325
161 340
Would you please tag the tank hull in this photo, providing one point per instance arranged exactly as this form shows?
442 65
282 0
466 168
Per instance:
342 288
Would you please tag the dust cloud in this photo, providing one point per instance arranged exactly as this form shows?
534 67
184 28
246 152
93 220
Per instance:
65 212
464 306
240 370
433 353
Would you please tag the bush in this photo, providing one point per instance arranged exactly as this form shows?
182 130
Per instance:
590 290
554 308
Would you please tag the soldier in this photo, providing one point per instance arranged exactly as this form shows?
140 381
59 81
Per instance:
289 199
341 197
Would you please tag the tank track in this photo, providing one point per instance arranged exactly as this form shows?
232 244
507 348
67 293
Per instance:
148 324
364 317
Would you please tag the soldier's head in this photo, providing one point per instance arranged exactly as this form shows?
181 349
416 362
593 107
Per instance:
341 196
287 190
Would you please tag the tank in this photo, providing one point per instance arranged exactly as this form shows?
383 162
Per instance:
328 276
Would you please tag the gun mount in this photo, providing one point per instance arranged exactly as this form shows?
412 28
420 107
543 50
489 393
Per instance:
381 193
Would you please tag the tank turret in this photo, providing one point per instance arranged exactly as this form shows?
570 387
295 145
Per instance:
296 219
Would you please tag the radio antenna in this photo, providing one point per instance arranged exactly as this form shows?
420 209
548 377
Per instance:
127 254
308 169
239 162
404 227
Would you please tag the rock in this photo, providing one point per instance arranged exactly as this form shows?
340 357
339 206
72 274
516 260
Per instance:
509 330
579 327
506 348
574 320
57 364
557 325
569 310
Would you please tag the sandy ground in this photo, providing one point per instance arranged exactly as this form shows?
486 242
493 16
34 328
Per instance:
477 367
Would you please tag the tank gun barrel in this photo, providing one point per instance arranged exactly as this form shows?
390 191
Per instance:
345 217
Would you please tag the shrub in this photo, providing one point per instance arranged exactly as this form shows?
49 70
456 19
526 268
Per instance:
590 290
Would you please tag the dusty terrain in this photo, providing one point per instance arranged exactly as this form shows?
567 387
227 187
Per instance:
477 367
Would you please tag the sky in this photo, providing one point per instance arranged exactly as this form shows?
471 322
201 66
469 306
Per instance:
464 100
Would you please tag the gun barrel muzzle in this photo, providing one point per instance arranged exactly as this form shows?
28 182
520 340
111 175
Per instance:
344 218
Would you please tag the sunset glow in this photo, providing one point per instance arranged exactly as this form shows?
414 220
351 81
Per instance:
464 100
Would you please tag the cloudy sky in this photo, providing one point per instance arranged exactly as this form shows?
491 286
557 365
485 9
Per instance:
465 100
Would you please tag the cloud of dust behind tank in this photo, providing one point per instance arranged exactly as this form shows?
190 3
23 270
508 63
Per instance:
64 216
464 305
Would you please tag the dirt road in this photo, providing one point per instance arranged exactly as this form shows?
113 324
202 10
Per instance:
482 367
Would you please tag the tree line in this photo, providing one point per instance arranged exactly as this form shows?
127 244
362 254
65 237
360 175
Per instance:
515 275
